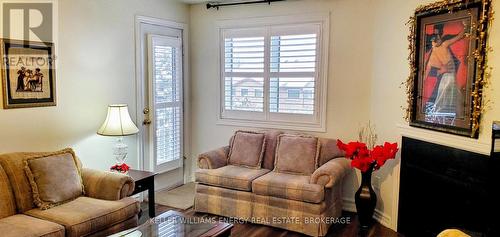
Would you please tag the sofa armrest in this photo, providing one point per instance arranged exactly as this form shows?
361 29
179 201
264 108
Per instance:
331 172
107 185
213 159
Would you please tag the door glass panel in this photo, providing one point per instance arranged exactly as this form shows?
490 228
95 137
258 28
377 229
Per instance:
166 88
167 135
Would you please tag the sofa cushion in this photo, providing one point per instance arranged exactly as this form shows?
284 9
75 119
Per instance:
270 151
288 186
84 216
230 176
247 149
54 179
296 154
7 203
23 225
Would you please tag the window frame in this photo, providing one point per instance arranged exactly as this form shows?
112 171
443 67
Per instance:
268 119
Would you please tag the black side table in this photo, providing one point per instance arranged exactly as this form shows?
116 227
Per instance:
145 180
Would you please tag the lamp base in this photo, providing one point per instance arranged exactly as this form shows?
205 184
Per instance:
120 151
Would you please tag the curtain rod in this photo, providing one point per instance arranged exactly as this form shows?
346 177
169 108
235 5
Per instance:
217 5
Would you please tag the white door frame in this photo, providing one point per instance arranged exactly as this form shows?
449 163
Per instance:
141 84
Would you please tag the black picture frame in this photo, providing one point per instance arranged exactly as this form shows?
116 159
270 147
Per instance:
40 84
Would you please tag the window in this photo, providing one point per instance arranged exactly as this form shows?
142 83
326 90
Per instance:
308 93
244 92
272 75
294 94
258 93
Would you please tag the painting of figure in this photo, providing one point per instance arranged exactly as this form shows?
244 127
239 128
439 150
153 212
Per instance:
445 75
447 60
29 81
28 74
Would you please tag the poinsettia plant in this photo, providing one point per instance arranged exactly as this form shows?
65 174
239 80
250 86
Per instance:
123 168
364 158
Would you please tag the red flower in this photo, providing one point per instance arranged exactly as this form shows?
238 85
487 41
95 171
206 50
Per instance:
362 163
391 149
362 158
352 148
378 154
123 168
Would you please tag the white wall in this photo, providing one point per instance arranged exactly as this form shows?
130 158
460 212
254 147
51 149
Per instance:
95 67
390 68
349 77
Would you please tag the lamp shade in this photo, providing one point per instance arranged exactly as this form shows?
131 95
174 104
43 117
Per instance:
118 122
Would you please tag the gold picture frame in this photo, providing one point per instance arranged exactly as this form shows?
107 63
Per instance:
28 74
448 66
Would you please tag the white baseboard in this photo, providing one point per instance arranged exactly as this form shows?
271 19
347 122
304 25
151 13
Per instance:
348 205
382 218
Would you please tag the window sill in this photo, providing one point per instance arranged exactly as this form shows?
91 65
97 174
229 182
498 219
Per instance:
308 127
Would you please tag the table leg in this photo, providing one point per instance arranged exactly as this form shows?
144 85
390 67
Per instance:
151 199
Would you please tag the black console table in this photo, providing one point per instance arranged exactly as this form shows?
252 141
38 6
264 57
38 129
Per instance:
145 180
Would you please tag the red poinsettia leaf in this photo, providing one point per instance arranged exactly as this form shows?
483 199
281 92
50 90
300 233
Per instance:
391 149
341 145
362 163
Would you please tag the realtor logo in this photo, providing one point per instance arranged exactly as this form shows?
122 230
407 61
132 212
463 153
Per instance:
27 21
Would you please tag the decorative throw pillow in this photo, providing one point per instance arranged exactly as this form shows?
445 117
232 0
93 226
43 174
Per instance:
247 149
329 150
55 178
296 154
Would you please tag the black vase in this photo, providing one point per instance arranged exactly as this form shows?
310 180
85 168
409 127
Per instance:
366 199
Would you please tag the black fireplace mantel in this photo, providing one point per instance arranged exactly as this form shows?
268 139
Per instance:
443 187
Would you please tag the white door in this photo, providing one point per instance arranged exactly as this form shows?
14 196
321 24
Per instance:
160 100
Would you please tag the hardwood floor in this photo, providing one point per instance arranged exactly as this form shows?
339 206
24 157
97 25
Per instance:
255 230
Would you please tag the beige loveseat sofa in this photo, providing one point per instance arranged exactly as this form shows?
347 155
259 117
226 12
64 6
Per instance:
267 194
105 208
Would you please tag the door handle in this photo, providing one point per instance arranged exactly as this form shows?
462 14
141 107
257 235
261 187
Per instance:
146 121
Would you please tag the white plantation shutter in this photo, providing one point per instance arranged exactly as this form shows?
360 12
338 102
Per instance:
166 88
244 53
271 74
293 72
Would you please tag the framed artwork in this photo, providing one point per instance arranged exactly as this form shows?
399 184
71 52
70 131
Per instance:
448 62
28 74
